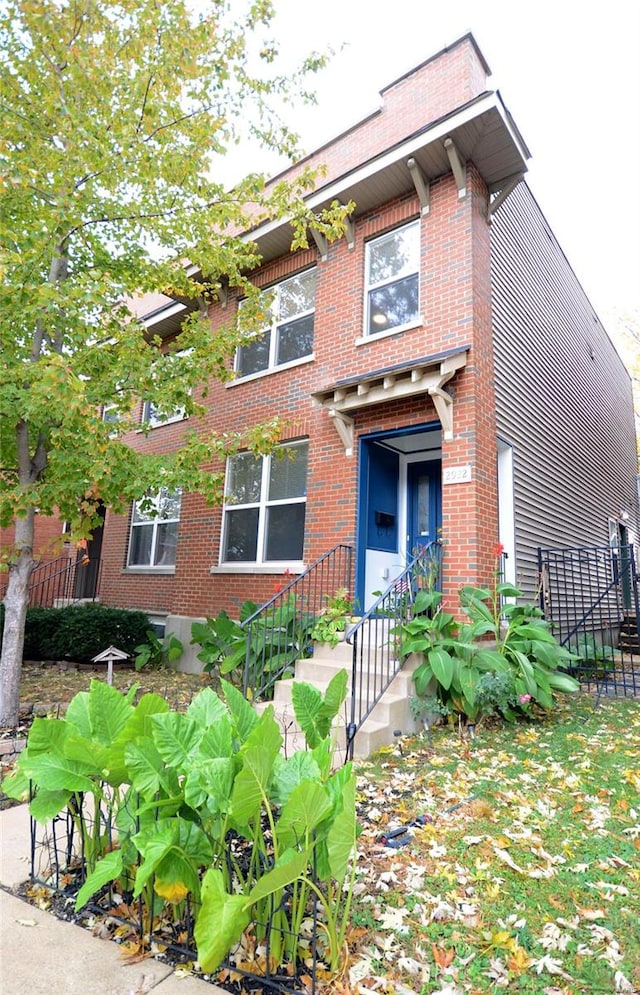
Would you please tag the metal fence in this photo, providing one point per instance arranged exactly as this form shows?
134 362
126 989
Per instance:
589 594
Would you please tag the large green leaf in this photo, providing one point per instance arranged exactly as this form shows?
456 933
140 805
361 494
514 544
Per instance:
307 806
218 739
109 712
537 631
468 678
221 921
138 726
47 804
341 838
55 773
207 708
243 715
176 737
291 866
334 696
443 667
563 682
77 714
290 772
108 869
210 783
47 735
147 770
258 754
307 706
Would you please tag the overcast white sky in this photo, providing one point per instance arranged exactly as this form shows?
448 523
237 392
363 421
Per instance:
569 74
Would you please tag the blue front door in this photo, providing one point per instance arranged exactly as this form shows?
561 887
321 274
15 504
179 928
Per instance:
424 504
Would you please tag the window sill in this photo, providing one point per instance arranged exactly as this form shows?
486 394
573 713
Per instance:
149 570
397 330
259 568
272 369
163 424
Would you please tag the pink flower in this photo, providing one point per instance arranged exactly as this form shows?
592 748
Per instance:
524 698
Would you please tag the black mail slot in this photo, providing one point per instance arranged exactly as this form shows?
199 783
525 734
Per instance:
384 520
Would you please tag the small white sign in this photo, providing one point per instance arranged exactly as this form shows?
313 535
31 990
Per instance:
456 474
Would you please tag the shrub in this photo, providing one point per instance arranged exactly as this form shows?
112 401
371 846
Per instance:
39 633
83 631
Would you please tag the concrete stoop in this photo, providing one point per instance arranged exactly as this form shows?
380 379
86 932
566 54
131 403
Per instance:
390 717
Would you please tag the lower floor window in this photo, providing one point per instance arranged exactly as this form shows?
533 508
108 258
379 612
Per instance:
265 506
154 529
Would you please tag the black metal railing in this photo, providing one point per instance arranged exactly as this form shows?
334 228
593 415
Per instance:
590 597
377 641
279 632
63 580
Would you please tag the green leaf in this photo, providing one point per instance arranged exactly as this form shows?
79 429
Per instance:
290 772
217 740
307 706
108 869
147 770
77 714
221 921
469 678
109 712
207 709
176 737
334 696
537 631
47 804
55 773
243 715
442 666
341 838
210 784
291 866
563 682
305 809
251 785
422 677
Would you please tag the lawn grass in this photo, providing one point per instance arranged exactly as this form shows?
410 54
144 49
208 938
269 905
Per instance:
528 877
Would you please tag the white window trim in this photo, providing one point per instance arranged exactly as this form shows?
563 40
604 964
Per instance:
270 371
258 565
368 287
272 366
418 323
178 415
153 422
150 567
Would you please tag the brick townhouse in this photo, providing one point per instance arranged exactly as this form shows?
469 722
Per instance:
440 369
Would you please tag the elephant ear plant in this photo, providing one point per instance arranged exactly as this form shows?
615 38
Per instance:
500 661
203 806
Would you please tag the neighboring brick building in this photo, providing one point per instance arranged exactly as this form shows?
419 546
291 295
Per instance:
440 356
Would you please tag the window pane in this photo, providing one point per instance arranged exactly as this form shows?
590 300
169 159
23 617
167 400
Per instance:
168 503
140 551
288 473
285 532
245 477
394 255
254 356
166 544
393 305
297 295
241 539
295 340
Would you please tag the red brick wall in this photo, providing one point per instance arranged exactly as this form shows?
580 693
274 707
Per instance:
455 305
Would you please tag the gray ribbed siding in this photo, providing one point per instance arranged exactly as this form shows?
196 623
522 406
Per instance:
563 394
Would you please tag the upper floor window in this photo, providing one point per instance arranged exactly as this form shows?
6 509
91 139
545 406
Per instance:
265 506
155 414
290 335
154 529
392 279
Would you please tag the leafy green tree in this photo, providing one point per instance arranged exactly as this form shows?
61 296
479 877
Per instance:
116 116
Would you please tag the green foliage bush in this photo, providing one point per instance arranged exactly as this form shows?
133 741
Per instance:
178 786
80 632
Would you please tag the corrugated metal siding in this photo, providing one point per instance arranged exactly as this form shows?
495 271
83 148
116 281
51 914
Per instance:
563 394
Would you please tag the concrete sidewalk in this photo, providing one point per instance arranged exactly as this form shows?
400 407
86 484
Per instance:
41 955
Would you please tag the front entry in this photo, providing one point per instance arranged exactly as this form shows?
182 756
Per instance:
400 506
424 504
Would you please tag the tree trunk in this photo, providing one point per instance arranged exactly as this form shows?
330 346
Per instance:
16 602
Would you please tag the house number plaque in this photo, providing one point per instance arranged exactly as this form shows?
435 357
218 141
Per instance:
456 474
